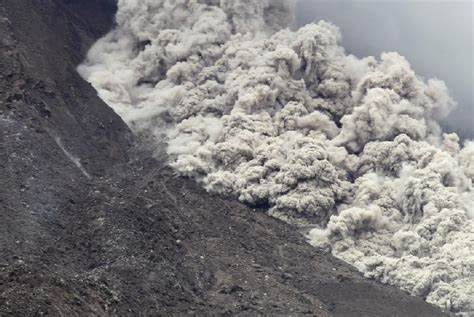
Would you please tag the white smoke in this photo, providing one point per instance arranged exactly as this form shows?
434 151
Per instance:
287 120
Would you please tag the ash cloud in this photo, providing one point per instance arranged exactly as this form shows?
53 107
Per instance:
287 119
436 36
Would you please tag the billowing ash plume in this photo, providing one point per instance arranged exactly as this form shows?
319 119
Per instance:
287 120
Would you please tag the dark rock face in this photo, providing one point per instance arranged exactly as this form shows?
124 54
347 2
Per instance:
92 225
43 42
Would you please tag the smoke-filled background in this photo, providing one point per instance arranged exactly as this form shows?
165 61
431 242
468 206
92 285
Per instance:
289 121
436 36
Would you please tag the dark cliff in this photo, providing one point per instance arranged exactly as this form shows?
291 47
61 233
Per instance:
92 225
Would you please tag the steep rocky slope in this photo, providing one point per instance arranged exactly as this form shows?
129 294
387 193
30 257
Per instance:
92 225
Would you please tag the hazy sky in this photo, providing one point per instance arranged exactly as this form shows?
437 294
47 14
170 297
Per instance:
436 36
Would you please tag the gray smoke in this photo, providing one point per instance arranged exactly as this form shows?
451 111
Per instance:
436 36
287 120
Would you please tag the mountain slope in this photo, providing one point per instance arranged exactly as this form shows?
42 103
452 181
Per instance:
92 225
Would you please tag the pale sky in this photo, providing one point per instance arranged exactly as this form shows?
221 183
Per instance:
436 36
